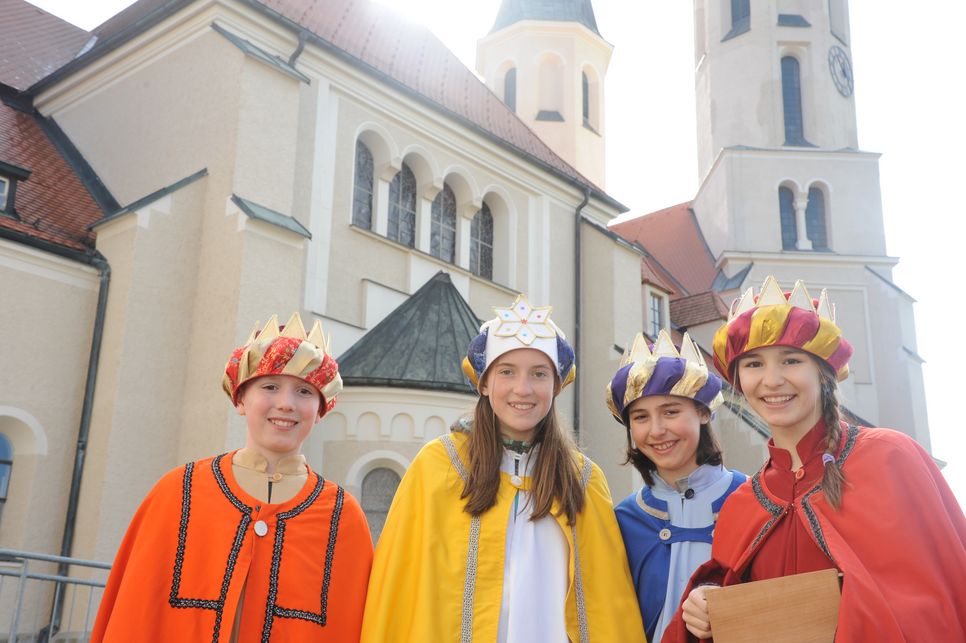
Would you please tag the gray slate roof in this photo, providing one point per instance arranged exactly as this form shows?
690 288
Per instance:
512 11
419 345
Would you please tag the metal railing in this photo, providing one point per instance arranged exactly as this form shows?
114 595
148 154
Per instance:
33 603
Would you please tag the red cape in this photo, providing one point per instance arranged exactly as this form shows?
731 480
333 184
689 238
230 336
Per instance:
193 545
899 539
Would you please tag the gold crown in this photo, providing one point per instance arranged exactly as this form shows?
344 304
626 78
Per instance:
771 294
310 361
293 328
639 351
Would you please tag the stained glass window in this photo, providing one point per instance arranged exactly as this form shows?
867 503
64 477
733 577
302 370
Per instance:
442 232
402 207
481 243
362 188
786 207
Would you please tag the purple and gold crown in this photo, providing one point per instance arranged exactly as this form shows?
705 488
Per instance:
662 370
285 350
519 326
776 318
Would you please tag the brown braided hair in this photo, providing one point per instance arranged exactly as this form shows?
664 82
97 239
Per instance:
833 479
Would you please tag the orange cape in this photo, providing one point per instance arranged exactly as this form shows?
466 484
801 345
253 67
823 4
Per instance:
198 540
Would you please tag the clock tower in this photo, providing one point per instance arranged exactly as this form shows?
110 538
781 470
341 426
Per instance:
786 190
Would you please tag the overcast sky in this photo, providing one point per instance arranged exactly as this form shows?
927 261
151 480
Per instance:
907 84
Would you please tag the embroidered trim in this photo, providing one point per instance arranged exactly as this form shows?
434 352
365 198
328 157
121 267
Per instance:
775 510
582 625
217 605
330 550
851 433
453 456
585 474
579 591
813 521
273 609
653 511
469 581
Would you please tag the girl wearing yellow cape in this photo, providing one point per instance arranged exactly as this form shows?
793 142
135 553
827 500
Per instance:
502 530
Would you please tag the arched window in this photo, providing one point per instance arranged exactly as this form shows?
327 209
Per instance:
815 219
6 466
442 231
792 102
481 243
510 88
786 206
585 97
362 187
402 207
378 488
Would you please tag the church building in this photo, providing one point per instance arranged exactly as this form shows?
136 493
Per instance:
191 167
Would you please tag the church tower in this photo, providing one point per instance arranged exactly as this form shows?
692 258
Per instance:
547 61
786 190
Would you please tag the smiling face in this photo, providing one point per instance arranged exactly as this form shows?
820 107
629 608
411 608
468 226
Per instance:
783 387
666 429
280 411
521 386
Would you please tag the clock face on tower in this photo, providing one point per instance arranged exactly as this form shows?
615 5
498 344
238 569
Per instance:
841 68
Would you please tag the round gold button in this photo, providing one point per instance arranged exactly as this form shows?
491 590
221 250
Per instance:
664 534
276 477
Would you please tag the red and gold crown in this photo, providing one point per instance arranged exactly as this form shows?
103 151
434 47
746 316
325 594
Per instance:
285 350
776 318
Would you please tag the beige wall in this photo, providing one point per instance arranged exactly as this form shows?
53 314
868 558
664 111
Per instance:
737 204
47 338
530 45
192 273
738 81
610 298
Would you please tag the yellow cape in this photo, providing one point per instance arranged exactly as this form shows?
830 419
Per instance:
421 589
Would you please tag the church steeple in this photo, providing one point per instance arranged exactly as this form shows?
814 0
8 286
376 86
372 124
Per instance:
547 60
512 11
786 191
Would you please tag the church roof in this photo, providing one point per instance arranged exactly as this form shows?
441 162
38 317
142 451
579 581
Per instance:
673 237
377 40
420 344
34 43
701 308
512 11
52 205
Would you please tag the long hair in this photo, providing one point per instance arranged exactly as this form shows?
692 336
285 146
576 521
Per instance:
833 479
708 451
555 475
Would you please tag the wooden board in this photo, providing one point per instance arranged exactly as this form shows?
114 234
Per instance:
803 608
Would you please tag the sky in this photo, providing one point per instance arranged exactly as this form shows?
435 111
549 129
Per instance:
908 104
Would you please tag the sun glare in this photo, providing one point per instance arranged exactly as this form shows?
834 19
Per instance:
415 11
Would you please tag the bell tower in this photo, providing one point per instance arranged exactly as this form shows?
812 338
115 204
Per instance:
784 188
547 61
